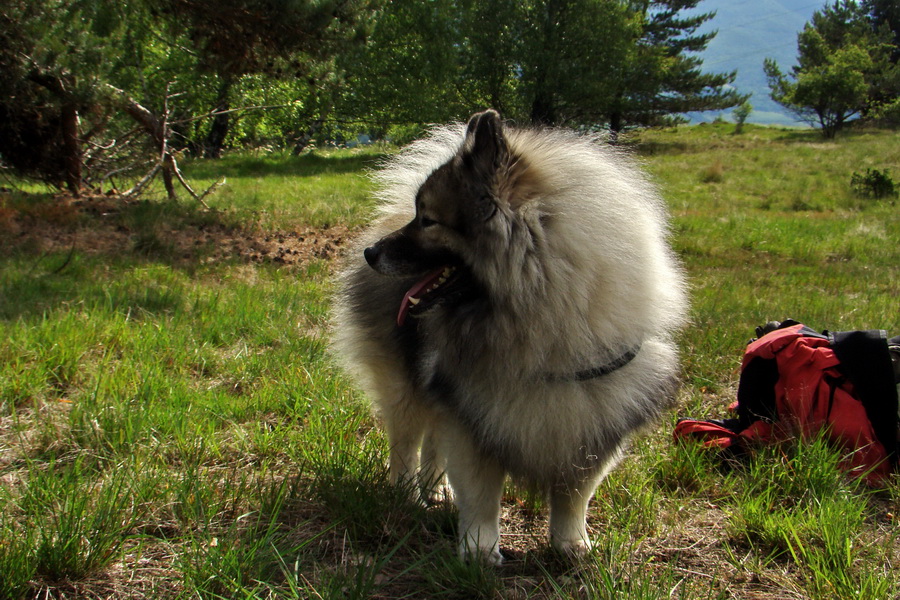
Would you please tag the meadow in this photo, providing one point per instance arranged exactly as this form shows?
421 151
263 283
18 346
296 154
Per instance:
171 425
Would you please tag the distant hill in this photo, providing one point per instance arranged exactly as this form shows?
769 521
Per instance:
750 31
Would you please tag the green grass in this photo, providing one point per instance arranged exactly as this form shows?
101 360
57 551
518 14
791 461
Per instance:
280 191
780 233
171 427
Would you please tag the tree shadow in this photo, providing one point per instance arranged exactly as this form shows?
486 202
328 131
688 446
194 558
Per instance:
656 148
813 135
79 253
283 164
53 281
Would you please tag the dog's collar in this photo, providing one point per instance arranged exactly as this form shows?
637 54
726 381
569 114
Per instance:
595 372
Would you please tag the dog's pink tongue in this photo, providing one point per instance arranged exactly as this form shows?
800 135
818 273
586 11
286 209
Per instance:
414 292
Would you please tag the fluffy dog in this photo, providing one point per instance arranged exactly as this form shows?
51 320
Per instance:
512 313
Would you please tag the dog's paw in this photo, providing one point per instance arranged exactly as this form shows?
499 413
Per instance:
577 548
436 495
489 556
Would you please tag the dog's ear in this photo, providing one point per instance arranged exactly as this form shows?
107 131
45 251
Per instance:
485 147
485 151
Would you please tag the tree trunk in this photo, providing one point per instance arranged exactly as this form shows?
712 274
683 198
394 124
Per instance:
542 111
61 87
616 122
306 137
71 148
221 123
830 123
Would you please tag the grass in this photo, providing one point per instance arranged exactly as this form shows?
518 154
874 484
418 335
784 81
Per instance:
780 232
171 427
331 186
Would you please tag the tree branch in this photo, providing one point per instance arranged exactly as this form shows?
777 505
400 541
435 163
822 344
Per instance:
158 128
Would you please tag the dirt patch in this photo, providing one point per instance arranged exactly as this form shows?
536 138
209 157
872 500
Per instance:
106 226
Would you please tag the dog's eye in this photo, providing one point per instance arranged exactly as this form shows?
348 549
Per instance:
426 222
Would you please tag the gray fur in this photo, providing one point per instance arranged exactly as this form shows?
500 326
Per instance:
562 243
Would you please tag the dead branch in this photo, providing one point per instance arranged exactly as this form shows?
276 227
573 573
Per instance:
157 126
140 185
239 109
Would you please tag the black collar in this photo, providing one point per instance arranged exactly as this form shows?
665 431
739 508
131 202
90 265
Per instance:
595 372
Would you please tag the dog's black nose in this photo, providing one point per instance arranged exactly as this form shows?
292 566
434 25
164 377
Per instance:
372 253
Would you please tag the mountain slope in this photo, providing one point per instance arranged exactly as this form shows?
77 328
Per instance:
749 31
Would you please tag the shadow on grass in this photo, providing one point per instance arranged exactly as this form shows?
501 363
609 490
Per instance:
57 251
287 165
656 148
35 291
813 135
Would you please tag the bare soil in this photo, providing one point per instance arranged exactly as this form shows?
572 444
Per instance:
97 226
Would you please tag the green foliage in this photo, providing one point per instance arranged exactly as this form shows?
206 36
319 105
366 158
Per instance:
49 69
288 74
662 74
62 124
565 73
741 113
536 61
237 38
405 72
844 69
873 184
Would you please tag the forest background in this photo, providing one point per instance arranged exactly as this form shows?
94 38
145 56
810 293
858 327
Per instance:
99 91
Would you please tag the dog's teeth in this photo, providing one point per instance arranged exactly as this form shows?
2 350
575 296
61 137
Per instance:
447 272
413 300
441 280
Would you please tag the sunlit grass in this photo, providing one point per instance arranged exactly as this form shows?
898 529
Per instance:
176 426
280 191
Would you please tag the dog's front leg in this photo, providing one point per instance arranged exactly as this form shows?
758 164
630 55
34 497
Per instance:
432 468
569 505
568 515
477 483
405 424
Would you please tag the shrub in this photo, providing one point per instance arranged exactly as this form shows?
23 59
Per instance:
714 173
873 184
740 115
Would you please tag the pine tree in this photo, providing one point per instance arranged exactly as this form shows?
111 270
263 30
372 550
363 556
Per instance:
49 69
663 73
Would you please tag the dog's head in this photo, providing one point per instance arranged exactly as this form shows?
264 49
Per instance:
453 207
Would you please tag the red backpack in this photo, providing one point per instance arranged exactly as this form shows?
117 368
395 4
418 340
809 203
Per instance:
797 382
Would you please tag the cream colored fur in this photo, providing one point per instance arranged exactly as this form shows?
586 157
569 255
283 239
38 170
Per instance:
577 270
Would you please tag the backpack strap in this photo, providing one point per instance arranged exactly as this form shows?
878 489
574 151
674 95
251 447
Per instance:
713 434
866 362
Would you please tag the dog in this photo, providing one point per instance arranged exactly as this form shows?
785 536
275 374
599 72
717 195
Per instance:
511 311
